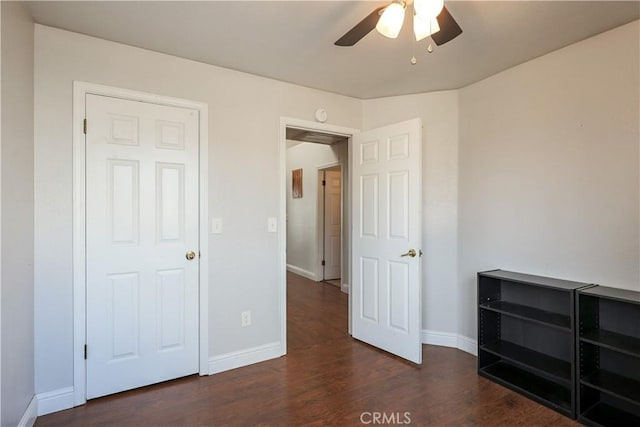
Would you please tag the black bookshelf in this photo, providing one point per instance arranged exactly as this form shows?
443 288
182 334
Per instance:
526 336
608 343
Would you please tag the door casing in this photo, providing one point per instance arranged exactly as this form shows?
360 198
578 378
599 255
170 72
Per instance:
80 90
282 236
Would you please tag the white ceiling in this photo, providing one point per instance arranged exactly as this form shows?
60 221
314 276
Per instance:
292 41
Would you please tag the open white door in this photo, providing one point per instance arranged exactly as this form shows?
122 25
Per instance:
387 237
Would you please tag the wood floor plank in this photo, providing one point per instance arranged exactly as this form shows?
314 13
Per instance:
326 379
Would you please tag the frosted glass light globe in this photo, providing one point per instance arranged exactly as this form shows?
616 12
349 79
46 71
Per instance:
390 23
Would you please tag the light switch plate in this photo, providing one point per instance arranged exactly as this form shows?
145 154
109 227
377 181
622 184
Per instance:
245 318
216 225
272 224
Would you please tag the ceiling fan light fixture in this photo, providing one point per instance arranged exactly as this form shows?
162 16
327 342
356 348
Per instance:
428 9
390 23
423 28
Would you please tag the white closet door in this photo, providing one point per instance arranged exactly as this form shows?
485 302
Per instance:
142 225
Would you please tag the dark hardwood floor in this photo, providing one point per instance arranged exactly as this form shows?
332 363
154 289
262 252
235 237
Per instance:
327 378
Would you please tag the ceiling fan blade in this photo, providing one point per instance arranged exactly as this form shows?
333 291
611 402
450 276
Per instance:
449 28
361 29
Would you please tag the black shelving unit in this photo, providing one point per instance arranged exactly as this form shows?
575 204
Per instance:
526 336
608 343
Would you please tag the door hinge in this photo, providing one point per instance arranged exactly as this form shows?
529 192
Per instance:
324 182
322 262
85 126
85 352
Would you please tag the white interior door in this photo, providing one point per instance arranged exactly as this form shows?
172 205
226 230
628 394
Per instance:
142 220
386 236
332 224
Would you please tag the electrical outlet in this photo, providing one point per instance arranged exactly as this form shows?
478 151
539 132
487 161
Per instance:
245 318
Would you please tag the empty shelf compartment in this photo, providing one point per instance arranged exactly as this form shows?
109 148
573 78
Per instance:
607 415
548 392
551 366
621 387
529 313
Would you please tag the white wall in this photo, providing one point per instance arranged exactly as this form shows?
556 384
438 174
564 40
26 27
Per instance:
17 213
302 213
549 168
244 126
439 114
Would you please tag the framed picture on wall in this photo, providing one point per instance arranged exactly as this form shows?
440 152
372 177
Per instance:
296 188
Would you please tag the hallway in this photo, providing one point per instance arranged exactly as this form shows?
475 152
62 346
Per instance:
327 378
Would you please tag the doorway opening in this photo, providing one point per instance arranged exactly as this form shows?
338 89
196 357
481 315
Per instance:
383 219
315 243
315 240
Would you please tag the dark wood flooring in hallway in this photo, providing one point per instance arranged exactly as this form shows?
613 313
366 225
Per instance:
327 378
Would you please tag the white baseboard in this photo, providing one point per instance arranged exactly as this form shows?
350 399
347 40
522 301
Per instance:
61 399
55 400
450 339
237 359
302 272
30 414
345 288
468 345
444 339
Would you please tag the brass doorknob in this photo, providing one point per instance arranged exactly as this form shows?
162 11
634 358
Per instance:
411 253
190 255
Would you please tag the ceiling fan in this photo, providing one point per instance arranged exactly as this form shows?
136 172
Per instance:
430 18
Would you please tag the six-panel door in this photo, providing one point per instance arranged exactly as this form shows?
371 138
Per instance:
141 219
386 300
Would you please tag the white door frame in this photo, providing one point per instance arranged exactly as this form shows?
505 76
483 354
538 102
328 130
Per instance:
286 122
320 222
80 90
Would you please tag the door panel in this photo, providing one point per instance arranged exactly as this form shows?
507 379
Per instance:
142 218
399 296
369 206
123 204
370 289
398 219
386 224
171 309
123 315
170 202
